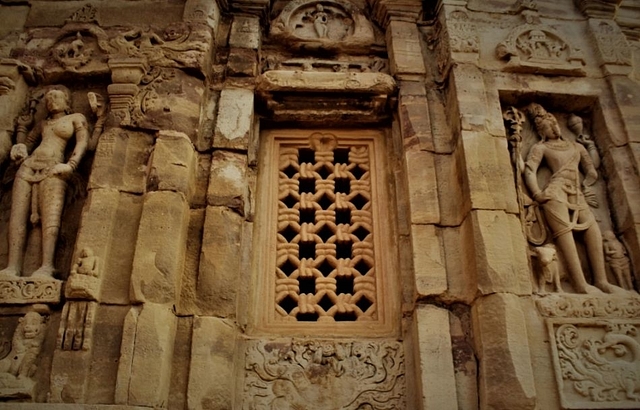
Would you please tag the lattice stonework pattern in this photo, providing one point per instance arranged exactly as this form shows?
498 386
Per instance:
325 268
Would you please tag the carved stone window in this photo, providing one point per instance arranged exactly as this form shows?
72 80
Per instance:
329 251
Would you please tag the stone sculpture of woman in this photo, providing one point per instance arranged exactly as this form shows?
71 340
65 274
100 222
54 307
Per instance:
563 200
320 20
39 185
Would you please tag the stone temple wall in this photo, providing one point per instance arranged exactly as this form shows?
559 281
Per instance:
320 204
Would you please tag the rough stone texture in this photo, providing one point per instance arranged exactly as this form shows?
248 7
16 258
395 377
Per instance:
214 343
423 187
245 32
150 360
235 119
218 280
405 49
228 181
414 117
502 346
428 260
160 248
501 254
173 164
436 360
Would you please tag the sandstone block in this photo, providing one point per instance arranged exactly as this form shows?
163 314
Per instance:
415 122
423 187
120 160
202 10
502 346
428 260
623 185
151 360
160 248
173 164
188 304
460 261
180 369
453 191
442 134
501 253
245 32
242 62
228 181
220 263
470 96
405 52
489 172
13 19
436 358
235 119
211 373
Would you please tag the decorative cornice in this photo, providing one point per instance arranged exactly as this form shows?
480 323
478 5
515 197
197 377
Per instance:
600 9
383 11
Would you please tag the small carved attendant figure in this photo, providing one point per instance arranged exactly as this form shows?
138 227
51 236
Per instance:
616 256
39 186
87 264
563 200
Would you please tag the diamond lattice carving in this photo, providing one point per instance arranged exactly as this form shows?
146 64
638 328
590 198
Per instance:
326 231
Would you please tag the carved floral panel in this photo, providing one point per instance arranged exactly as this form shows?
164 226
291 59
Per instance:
325 264
353 375
597 362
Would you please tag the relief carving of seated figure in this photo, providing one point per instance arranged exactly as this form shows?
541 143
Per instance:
563 201
39 185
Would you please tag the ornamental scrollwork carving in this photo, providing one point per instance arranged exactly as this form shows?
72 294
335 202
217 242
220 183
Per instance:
359 375
597 364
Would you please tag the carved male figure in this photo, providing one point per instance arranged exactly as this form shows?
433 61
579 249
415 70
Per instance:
563 200
39 186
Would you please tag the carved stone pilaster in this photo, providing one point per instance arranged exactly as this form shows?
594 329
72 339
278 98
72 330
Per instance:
614 50
404 10
126 74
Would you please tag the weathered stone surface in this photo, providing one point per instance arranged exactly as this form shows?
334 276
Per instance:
217 285
460 254
228 184
414 117
120 160
436 360
213 346
179 370
488 170
464 359
428 260
423 187
160 248
501 253
150 372
188 304
502 346
202 11
453 191
173 164
405 51
12 18
245 32
242 62
235 119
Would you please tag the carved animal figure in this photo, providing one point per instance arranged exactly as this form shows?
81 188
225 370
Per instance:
548 260
25 347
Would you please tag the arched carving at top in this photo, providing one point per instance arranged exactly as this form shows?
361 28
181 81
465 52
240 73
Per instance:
325 23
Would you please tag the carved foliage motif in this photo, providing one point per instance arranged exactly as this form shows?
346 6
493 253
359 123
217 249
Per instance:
597 363
462 33
585 306
29 290
325 253
353 375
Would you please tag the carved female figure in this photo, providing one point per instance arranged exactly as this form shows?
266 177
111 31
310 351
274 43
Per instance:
563 200
39 185
320 20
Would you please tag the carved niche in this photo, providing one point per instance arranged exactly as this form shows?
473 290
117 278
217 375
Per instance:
323 24
564 205
537 48
353 375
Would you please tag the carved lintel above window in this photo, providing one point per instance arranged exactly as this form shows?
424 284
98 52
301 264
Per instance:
324 24
320 96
